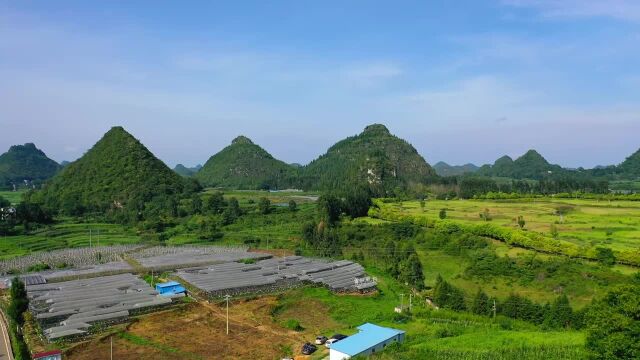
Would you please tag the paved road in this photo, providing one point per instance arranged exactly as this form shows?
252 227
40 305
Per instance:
5 344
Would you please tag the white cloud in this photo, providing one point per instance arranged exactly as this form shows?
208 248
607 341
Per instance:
628 10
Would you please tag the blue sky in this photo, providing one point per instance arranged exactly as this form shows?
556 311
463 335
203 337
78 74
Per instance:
464 81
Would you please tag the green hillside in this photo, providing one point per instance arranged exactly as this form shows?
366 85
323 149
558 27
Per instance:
25 162
443 169
375 158
186 171
531 165
630 168
116 172
245 165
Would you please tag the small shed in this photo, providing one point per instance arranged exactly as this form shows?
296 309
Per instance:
49 355
170 288
371 339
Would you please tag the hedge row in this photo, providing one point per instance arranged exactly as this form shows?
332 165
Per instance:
515 237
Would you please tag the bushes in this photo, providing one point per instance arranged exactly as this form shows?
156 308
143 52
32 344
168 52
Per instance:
15 312
448 296
613 325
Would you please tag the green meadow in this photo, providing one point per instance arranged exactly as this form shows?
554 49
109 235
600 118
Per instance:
13 196
589 223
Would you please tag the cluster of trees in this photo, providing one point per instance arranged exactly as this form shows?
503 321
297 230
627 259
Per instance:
470 186
322 233
18 306
27 214
555 315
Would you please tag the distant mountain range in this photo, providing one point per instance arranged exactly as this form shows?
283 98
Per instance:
531 165
444 169
25 162
119 166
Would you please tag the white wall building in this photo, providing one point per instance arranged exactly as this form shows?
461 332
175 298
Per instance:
371 339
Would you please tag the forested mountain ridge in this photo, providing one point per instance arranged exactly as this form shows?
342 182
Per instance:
245 165
118 171
374 158
443 169
531 165
25 162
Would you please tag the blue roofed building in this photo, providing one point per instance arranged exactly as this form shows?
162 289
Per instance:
371 339
170 288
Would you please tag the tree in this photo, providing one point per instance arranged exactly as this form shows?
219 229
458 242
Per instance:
264 206
330 208
480 304
613 324
521 222
422 204
357 202
443 214
411 272
215 203
560 314
448 296
19 301
292 205
234 207
196 204
605 256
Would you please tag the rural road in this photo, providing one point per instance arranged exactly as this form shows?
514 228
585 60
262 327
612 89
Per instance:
5 344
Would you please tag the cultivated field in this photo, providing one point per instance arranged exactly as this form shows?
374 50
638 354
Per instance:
66 235
614 224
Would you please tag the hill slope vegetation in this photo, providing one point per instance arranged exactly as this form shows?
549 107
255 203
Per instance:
374 158
25 162
245 165
443 169
118 171
531 165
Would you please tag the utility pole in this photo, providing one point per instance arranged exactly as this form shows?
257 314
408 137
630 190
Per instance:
401 302
111 357
227 297
410 302
494 309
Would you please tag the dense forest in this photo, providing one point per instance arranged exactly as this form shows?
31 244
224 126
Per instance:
118 176
374 158
25 163
245 165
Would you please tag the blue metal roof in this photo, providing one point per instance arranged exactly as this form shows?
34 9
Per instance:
369 336
167 284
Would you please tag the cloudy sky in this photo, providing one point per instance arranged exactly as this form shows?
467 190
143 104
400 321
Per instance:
463 81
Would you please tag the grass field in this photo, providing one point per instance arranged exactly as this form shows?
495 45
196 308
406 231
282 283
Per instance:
613 224
13 196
